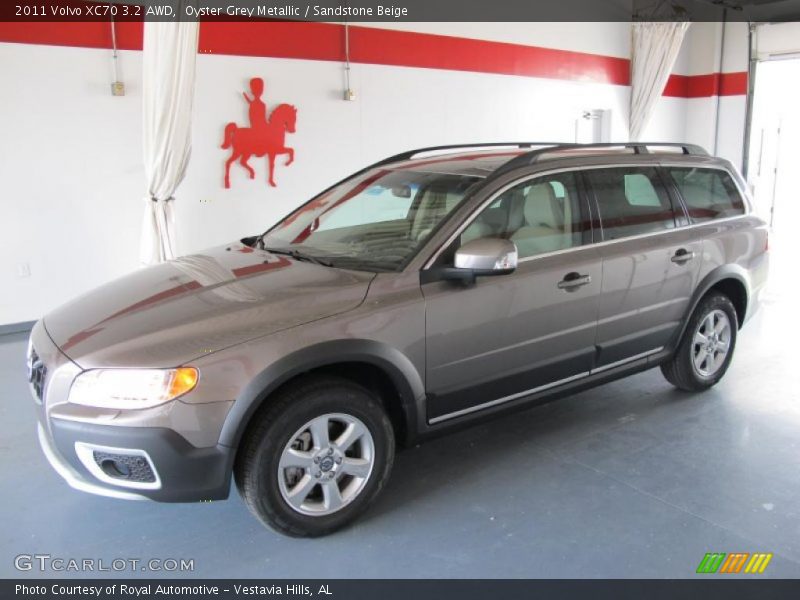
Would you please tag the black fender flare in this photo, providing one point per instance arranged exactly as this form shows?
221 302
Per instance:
395 364
721 273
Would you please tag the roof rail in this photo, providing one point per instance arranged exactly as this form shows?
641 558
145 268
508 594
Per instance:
532 157
412 153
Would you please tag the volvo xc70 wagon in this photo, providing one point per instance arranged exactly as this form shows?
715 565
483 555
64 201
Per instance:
430 290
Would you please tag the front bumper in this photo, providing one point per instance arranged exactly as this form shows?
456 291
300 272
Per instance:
72 477
174 444
184 473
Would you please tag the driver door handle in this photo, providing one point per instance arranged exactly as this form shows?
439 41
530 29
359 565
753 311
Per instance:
573 281
682 255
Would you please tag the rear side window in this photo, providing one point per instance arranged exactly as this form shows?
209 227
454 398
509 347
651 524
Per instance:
631 200
708 193
639 190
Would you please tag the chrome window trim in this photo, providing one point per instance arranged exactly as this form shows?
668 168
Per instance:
626 360
474 215
626 239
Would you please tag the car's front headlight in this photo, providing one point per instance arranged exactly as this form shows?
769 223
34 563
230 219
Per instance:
131 388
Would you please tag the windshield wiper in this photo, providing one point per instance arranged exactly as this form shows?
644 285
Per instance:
297 255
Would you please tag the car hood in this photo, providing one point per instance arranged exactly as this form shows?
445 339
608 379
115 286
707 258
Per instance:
171 313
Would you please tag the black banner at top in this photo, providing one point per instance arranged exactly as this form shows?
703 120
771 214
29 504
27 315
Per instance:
401 10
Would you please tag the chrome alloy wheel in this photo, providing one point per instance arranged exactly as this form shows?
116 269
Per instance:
326 464
712 342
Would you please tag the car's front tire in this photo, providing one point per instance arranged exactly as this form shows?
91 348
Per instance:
315 457
706 349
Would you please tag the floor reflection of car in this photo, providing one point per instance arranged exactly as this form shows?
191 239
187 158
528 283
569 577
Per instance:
429 290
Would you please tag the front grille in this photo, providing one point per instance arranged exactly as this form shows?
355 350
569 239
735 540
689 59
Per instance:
125 466
37 373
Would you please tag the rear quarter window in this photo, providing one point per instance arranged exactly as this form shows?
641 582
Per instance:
708 193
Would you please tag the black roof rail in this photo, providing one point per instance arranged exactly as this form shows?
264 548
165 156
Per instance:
412 153
532 157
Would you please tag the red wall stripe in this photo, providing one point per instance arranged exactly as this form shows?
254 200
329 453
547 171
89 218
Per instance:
325 41
311 41
95 34
732 84
677 86
704 86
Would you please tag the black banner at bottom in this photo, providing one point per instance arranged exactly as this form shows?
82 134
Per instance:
710 587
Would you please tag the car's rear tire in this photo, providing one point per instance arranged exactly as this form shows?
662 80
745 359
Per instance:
315 457
706 349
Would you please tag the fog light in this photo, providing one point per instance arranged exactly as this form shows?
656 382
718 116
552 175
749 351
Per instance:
127 467
115 469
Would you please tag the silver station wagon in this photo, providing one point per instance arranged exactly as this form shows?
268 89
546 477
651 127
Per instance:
428 291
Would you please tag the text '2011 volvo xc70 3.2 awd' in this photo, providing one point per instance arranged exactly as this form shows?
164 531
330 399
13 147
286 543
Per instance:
432 289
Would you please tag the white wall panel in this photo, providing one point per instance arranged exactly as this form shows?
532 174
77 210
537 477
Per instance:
71 167
776 39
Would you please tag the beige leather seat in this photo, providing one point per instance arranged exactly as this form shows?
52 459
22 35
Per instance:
492 222
475 231
544 229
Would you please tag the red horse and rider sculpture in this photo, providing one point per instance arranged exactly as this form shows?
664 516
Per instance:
265 136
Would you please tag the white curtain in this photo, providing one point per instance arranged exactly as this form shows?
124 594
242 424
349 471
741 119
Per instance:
655 47
168 64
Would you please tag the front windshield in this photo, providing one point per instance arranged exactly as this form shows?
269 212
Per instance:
374 222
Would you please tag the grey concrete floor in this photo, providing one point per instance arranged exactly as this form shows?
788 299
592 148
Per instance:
632 479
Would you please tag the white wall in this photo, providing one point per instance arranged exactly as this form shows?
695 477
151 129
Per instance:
717 123
71 167
775 133
70 155
776 40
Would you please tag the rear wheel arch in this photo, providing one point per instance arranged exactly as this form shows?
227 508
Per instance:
384 371
730 280
736 292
